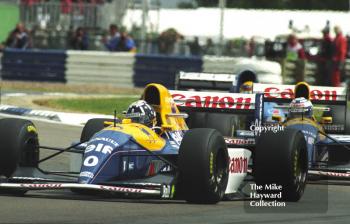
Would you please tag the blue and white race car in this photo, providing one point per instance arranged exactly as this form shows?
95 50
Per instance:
157 155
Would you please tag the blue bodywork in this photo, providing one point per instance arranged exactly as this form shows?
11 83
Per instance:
112 155
312 136
318 144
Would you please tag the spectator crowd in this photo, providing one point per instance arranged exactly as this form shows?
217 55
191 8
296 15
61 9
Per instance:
21 38
333 47
330 59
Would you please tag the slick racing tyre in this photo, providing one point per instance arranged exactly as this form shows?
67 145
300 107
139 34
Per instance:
338 115
224 123
281 158
93 126
19 145
347 127
203 166
196 119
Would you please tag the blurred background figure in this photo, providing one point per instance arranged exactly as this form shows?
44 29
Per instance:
326 53
18 38
339 56
111 42
65 15
251 47
181 47
209 48
195 48
167 40
126 43
295 50
80 40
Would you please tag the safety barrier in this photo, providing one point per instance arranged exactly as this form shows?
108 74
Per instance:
129 70
300 70
214 64
162 69
292 71
312 72
31 65
96 67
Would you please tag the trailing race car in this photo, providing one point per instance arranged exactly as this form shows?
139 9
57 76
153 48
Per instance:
152 152
222 81
335 120
321 114
243 82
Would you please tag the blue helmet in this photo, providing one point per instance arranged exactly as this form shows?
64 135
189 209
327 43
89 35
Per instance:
300 107
141 112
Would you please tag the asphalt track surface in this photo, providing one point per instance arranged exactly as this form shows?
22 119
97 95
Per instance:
320 204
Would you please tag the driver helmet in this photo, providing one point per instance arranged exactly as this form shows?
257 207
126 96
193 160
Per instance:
141 112
300 107
246 87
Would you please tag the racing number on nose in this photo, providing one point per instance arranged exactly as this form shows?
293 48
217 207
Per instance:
91 161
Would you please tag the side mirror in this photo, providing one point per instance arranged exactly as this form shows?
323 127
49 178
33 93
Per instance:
326 120
183 115
276 117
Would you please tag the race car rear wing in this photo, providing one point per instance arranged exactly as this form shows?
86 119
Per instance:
204 81
214 101
318 94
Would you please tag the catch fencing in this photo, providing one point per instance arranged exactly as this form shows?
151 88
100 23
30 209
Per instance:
63 15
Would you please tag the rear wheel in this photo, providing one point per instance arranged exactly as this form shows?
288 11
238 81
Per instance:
226 124
347 127
196 119
92 127
338 115
281 158
203 166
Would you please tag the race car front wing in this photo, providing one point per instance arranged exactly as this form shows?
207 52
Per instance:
162 190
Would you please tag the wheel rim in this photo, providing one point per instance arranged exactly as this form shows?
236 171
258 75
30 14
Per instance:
300 169
220 172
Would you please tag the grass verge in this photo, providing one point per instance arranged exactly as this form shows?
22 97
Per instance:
90 105
66 88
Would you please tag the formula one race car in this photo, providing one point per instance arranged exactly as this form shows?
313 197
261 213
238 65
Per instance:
325 128
161 159
222 81
321 114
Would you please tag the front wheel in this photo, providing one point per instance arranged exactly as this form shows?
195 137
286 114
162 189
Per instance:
19 145
281 159
203 166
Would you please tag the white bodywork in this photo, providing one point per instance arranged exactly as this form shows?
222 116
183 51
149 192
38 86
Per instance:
200 76
238 166
213 100
321 93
